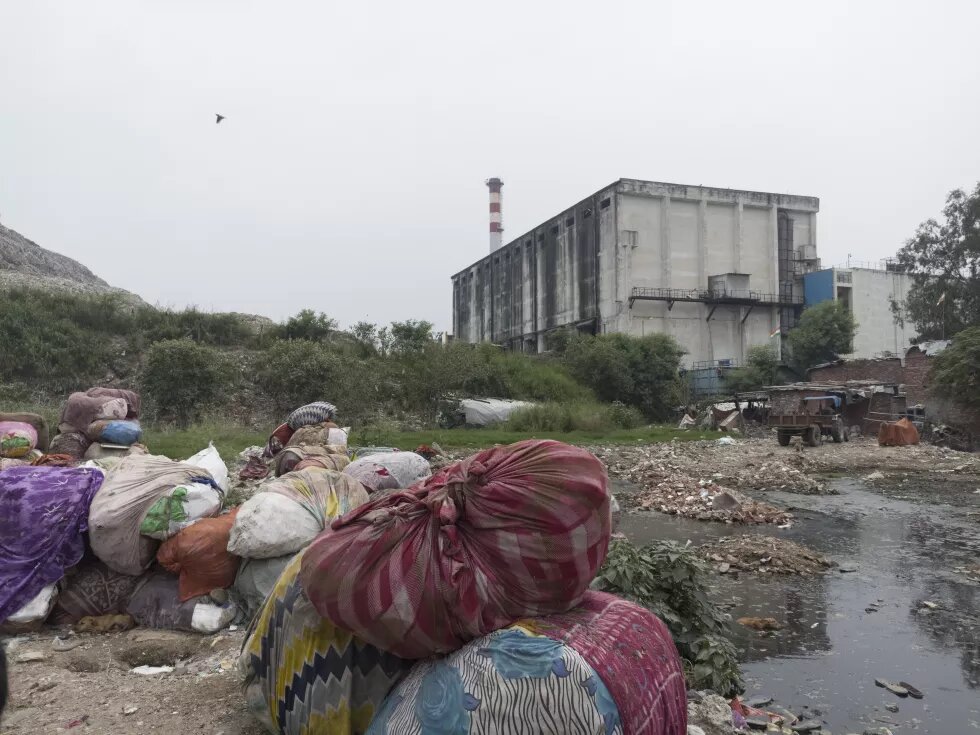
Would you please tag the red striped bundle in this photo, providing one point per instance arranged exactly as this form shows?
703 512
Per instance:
510 532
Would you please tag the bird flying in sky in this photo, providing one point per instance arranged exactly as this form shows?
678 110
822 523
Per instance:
219 118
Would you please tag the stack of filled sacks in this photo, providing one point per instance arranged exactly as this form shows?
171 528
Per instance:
43 516
23 436
489 561
316 419
154 509
97 417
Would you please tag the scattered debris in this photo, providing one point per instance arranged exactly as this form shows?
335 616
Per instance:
764 554
63 645
891 707
28 657
152 670
711 714
806 726
761 624
895 689
913 692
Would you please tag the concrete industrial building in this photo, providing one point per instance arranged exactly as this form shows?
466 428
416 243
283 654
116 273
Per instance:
719 269
867 290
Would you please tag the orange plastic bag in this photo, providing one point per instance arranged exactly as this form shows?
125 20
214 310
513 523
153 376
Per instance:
898 434
199 554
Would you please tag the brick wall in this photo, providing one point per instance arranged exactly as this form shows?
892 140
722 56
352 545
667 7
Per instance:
914 375
888 370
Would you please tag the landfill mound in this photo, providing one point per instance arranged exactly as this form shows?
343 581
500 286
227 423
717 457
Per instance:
25 264
764 555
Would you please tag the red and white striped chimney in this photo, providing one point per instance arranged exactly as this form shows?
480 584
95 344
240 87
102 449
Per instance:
496 220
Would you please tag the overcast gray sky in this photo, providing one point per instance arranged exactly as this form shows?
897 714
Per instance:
348 176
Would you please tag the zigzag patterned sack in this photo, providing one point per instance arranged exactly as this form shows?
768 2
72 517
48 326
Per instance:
303 676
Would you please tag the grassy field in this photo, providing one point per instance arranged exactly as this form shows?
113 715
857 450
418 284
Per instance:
229 440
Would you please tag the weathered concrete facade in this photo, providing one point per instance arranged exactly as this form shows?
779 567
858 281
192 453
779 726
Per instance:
718 269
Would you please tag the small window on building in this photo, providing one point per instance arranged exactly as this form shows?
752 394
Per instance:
527 243
630 238
554 230
604 204
496 259
540 237
587 213
570 222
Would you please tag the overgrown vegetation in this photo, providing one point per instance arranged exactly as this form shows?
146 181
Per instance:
636 371
956 370
64 342
944 260
761 369
184 379
671 581
582 416
825 332
57 343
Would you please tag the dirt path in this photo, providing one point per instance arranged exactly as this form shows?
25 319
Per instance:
89 689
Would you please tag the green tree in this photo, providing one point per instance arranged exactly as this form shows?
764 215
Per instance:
760 370
944 260
297 372
825 332
309 325
956 370
413 335
365 335
184 379
636 371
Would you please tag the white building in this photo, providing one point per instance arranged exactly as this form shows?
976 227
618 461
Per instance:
868 291
719 269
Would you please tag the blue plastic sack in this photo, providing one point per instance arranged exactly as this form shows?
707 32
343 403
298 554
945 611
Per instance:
123 433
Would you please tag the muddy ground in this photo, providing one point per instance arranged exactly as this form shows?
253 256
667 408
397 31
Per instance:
90 688
824 659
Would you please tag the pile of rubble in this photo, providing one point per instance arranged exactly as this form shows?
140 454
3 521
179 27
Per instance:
764 554
667 484
741 464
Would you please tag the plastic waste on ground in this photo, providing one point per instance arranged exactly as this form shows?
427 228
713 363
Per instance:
155 604
210 460
38 609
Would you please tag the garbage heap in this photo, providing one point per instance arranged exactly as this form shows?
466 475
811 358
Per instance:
386 599
93 526
459 604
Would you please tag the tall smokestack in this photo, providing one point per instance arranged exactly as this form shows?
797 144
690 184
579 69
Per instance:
496 221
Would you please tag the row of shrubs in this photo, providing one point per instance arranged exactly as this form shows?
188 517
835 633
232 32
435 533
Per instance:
189 364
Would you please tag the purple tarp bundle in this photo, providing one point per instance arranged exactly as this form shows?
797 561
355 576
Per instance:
43 514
